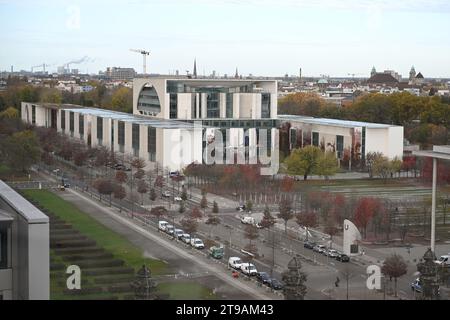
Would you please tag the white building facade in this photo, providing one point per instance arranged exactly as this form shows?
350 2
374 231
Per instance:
24 248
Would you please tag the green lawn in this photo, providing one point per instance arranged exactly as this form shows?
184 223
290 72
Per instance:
119 246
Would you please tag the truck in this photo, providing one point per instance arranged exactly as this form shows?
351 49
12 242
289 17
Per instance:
216 252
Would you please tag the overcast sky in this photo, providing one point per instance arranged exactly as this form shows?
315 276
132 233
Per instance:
264 37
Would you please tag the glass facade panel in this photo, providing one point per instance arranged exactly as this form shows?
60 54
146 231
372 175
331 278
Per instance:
135 138
315 139
151 143
265 105
100 130
212 105
81 125
121 135
340 146
173 106
63 120
33 114
148 100
71 121
229 106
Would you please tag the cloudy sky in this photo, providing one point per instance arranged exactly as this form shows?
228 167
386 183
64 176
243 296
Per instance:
264 37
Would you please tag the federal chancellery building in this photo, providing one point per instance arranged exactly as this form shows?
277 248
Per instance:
175 118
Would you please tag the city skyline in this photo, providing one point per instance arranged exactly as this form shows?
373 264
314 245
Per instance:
265 38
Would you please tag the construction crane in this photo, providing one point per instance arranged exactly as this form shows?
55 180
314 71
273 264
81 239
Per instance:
144 57
354 74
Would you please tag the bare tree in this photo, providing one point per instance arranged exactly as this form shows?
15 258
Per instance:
394 266
285 207
142 189
119 193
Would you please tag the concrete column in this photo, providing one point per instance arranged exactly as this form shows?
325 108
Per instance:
433 206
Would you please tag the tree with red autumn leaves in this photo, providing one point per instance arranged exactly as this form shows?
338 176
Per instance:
366 208
287 184
443 171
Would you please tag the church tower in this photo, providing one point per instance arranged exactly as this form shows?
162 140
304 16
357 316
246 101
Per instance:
373 72
412 74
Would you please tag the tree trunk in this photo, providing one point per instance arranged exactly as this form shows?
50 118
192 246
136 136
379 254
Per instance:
395 280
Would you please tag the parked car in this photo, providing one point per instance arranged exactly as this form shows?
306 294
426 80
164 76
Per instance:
241 208
247 220
235 263
170 229
177 198
166 194
332 253
186 238
276 284
263 277
162 225
197 243
309 245
179 233
342 257
444 260
249 269
320 248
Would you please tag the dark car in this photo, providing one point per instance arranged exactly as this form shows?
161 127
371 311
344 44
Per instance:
263 277
342 257
276 285
241 208
309 245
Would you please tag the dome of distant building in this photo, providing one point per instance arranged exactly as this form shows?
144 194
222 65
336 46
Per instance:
323 81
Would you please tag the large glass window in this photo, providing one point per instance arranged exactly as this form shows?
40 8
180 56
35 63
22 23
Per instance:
212 105
121 135
4 245
293 137
63 120
265 105
229 106
135 139
315 139
194 106
148 100
173 110
33 114
340 146
100 130
81 125
71 122
151 143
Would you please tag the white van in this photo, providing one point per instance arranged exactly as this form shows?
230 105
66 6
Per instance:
235 263
162 225
249 269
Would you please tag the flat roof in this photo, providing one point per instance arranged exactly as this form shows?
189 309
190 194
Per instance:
438 152
21 205
335 122
127 117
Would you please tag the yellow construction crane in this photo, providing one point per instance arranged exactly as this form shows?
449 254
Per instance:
144 57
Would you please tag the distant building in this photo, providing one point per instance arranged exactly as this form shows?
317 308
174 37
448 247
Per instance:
24 248
115 73
383 78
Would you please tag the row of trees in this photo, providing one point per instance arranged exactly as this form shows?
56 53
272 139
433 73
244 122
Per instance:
119 98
